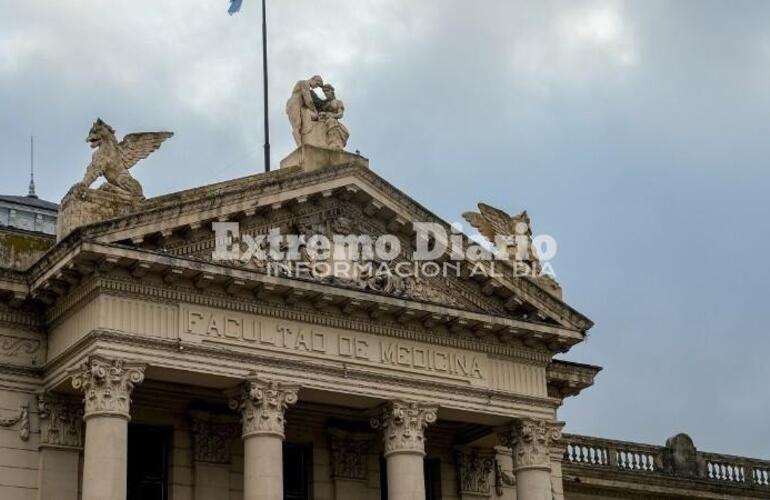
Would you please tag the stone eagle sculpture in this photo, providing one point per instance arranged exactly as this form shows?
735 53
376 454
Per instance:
113 159
500 228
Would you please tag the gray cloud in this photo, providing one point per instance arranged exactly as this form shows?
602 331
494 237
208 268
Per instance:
634 132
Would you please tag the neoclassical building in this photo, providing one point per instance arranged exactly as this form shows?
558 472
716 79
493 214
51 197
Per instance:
136 365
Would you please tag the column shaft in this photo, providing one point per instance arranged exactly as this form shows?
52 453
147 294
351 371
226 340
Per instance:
263 472
105 459
533 484
406 480
263 405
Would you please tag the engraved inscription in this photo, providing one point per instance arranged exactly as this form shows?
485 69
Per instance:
311 340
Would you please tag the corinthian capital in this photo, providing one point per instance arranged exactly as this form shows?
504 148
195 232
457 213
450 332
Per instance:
403 426
262 405
107 385
61 422
531 441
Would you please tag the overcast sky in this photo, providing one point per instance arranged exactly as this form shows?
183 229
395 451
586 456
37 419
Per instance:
635 133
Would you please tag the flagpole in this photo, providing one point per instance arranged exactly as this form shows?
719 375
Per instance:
264 75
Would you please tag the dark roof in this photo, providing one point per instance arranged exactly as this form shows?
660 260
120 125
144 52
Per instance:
30 202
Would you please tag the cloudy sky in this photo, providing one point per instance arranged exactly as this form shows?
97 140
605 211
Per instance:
635 133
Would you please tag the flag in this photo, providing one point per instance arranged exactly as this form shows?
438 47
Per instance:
235 6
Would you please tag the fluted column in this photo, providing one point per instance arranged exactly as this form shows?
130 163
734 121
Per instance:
531 441
403 427
107 385
263 406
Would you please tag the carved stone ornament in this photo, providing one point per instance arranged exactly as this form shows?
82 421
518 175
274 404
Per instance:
531 442
61 422
107 385
263 405
113 159
403 426
349 452
21 418
475 471
212 436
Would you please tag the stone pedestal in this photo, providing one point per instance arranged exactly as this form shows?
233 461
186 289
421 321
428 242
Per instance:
107 385
263 405
403 427
212 436
81 207
312 158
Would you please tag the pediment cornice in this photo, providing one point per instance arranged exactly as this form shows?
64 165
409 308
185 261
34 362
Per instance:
182 216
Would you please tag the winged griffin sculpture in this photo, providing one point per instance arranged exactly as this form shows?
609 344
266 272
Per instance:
509 234
113 159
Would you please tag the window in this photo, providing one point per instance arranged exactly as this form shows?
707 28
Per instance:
148 452
432 471
297 471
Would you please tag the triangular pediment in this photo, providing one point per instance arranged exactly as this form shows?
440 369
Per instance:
346 199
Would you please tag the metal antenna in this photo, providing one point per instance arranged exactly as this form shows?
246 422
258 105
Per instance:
32 193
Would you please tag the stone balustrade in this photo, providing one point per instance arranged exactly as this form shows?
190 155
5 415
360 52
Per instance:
673 460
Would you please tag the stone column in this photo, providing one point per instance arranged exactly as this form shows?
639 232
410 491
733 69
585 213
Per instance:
107 385
262 405
349 452
61 439
531 441
212 436
474 471
403 427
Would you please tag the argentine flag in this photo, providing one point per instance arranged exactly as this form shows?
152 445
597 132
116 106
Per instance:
235 6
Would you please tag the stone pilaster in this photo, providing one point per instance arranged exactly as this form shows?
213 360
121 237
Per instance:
403 426
349 456
61 438
349 452
474 470
61 422
107 386
212 436
263 405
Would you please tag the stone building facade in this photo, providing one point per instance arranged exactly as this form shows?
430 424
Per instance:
134 365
